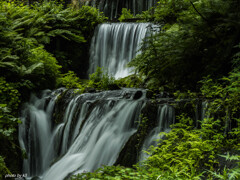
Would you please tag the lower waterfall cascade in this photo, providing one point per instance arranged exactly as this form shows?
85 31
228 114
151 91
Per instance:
92 130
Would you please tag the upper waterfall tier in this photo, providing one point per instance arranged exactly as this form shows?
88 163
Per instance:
113 8
116 44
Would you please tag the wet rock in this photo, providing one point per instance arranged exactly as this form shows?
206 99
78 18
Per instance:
35 178
60 105
129 154
138 95
90 90
149 94
157 95
113 87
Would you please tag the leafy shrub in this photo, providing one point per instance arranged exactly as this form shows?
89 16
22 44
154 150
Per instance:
112 172
126 14
3 169
27 62
130 81
69 80
48 72
229 174
102 80
9 95
8 123
185 148
184 51
28 34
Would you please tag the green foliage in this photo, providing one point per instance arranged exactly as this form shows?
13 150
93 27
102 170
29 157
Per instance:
112 172
45 68
130 81
28 32
70 81
185 148
9 94
102 80
9 104
229 174
8 122
236 59
126 14
3 169
225 95
168 11
28 35
99 80
197 39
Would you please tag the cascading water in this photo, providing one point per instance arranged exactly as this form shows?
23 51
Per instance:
116 44
166 117
35 133
113 8
86 131
93 131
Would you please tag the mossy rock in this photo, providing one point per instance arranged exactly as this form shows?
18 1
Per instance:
129 154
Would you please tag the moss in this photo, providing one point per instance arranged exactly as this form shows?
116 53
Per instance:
60 105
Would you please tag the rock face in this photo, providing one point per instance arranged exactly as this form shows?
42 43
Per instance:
132 150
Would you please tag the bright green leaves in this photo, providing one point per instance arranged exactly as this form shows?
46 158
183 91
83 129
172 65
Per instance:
8 122
29 37
69 80
3 169
187 149
114 173
9 94
101 80
229 174
126 14
10 100
27 33
168 11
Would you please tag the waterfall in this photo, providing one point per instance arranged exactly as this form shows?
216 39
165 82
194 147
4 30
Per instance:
166 117
116 44
92 132
35 132
113 8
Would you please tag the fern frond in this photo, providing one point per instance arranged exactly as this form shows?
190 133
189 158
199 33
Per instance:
231 157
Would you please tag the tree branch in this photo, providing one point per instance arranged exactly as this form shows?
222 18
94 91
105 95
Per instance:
205 19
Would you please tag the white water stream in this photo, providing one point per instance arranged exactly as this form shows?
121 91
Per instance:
114 45
94 129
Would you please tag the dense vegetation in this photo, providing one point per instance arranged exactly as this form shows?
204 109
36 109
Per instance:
28 61
196 55
197 39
